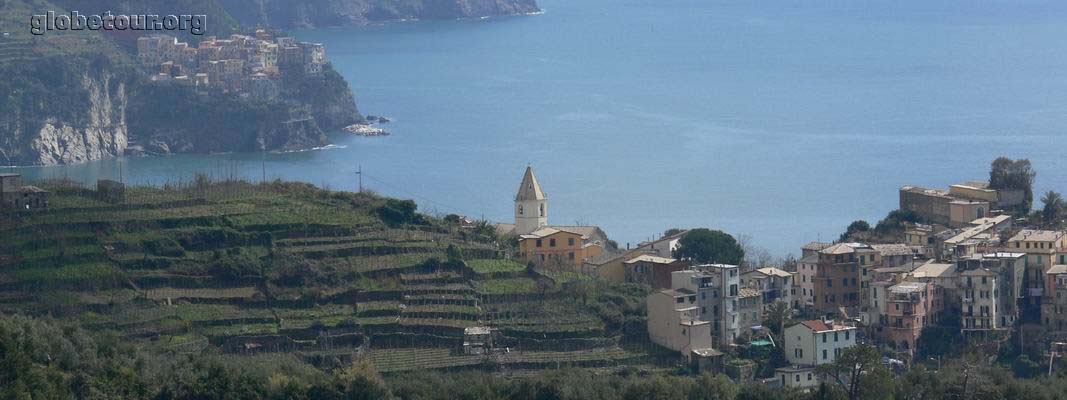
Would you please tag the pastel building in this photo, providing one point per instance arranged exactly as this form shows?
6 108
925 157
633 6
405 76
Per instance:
1041 249
909 307
816 342
1054 307
674 321
556 247
774 284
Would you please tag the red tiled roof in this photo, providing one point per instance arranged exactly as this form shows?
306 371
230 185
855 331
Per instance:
817 325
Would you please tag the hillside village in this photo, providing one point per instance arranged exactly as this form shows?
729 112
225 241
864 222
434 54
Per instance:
352 276
249 65
970 266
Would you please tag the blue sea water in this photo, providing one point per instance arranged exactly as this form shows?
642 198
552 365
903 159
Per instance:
779 120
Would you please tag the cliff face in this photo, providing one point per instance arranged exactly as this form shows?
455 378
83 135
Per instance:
84 119
312 13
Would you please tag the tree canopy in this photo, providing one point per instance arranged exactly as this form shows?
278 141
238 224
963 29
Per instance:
1006 173
854 228
708 246
1053 208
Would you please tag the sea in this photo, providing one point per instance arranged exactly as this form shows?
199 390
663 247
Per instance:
776 121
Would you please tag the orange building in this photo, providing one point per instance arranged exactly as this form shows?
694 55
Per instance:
551 246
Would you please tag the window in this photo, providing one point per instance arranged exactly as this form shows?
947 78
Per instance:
824 336
809 376
538 242
798 377
570 255
846 335
837 353
835 336
551 242
680 300
542 257
703 295
542 209
683 332
824 354
570 241
520 209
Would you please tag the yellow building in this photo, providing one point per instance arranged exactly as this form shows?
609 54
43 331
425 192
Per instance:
1040 248
555 247
542 243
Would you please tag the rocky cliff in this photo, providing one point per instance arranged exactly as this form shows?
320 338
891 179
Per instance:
312 13
62 111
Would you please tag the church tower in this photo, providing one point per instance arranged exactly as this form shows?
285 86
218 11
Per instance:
531 205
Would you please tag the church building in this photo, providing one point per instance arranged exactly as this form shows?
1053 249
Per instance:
545 244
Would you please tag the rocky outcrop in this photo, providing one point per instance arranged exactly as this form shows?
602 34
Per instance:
82 119
100 133
305 14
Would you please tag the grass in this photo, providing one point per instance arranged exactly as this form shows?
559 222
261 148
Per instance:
177 293
495 266
69 274
507 286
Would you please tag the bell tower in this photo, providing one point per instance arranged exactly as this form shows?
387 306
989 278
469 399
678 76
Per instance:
531 205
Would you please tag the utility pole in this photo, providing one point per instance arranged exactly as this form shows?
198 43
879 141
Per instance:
360 173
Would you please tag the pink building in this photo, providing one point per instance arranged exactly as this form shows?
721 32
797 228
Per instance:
909 307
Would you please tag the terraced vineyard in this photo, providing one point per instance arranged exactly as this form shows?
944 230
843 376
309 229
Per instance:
330 277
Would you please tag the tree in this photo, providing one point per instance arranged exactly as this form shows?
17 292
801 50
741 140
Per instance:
708 246
855 227
1006 173
778 315
672 232
1053 208
860 374
362 382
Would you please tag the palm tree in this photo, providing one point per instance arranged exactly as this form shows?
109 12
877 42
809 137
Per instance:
777 316
1053 207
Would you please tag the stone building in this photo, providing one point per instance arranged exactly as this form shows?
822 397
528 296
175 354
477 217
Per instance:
16 196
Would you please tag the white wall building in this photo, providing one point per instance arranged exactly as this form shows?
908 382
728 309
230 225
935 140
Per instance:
817 342
797 376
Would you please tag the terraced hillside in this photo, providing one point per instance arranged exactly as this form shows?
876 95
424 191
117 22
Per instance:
329 277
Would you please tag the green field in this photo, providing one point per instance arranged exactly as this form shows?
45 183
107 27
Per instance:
225 266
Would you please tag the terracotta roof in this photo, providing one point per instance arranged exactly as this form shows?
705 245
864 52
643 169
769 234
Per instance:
587 231
1057 269
839 248
934 270
1037 236
816 325
650 258
816 246
821 326
548 231
893 249
771 271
